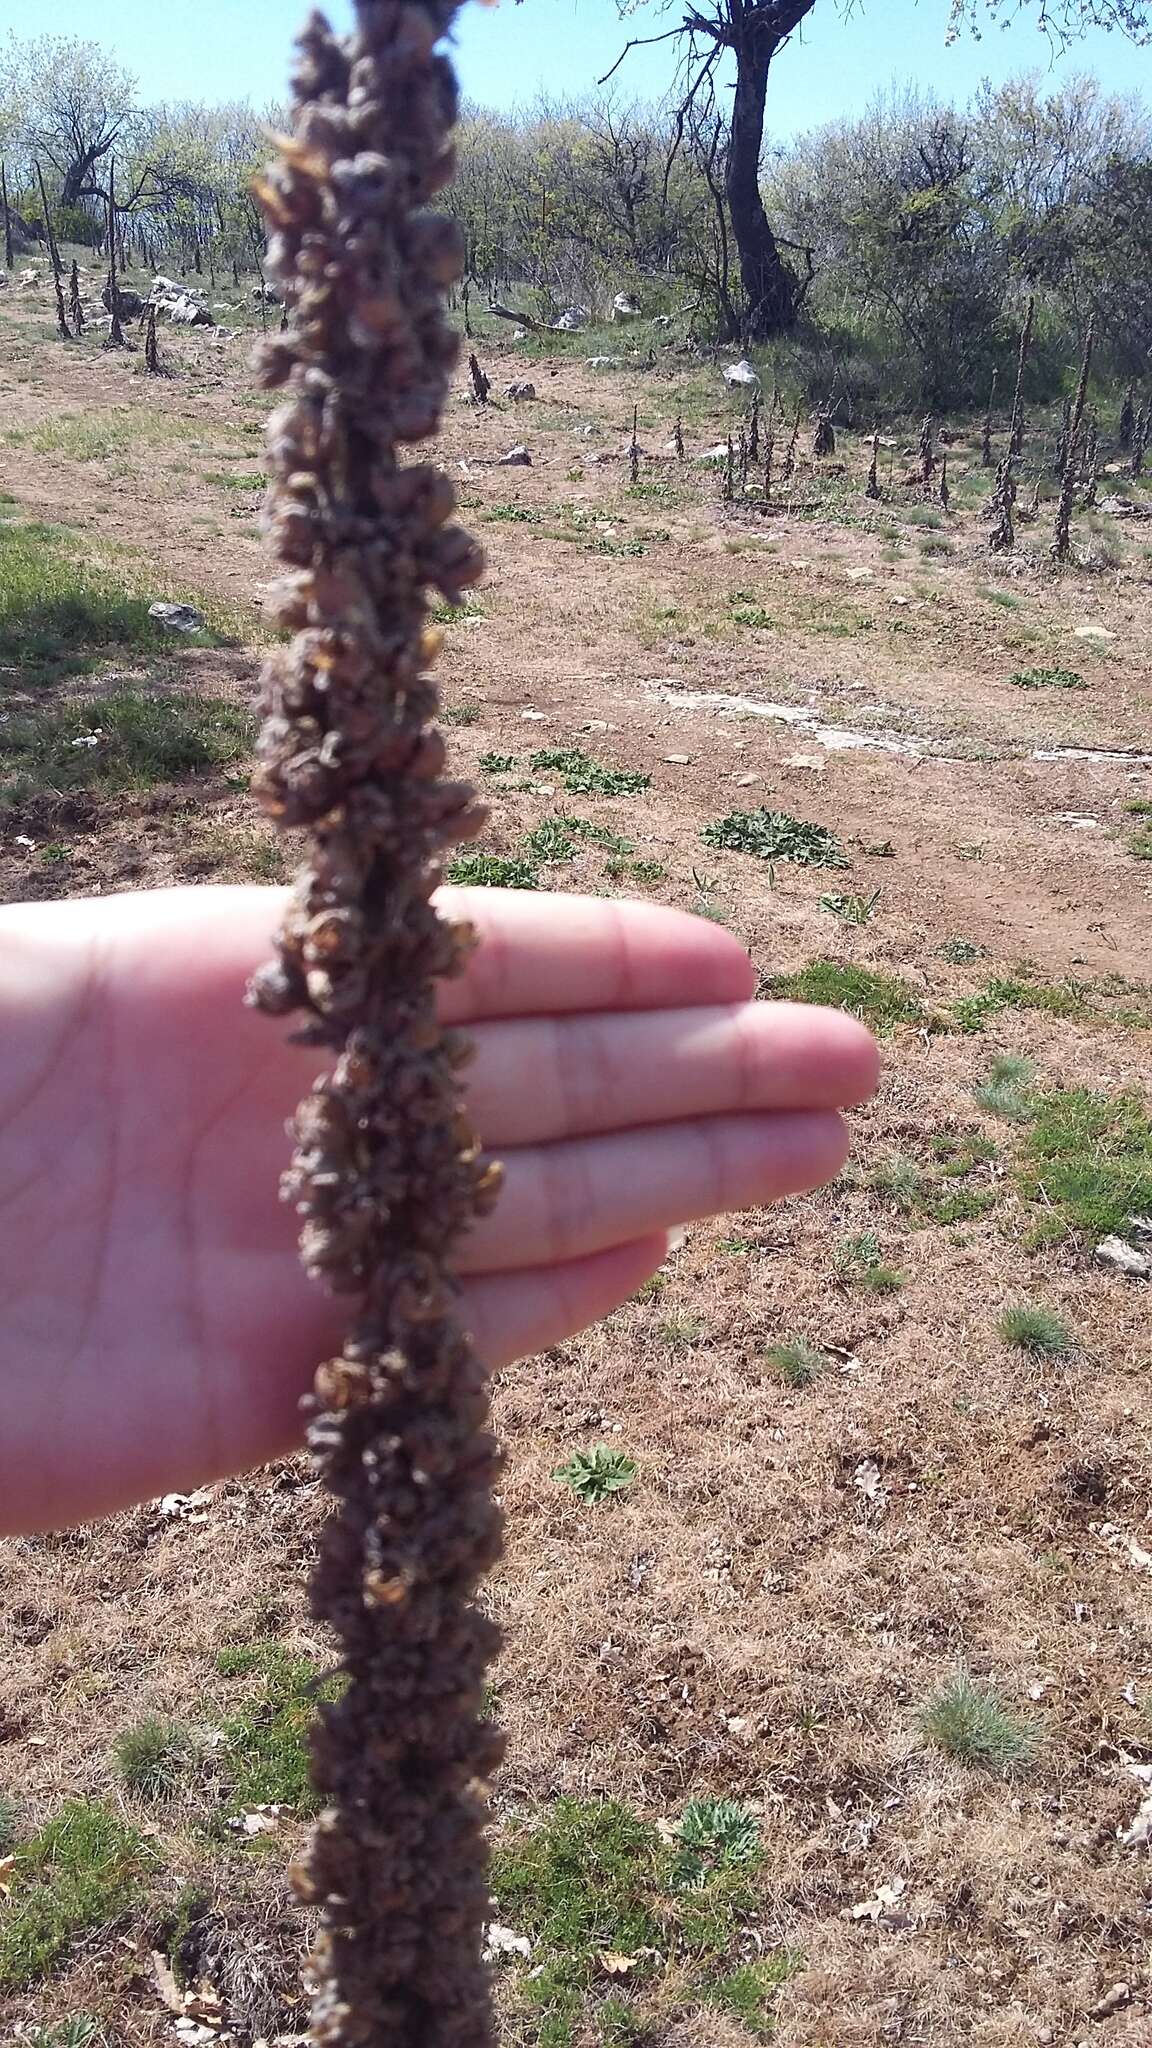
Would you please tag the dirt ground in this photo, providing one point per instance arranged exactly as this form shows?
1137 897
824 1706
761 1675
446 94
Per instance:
763 1614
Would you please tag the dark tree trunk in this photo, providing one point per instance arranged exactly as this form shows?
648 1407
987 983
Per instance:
771 290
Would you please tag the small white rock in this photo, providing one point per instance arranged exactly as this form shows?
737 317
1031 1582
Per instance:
1123 1258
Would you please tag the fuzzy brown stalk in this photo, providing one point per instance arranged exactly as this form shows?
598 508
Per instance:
678 438
769 457
1061 546
481 385
1063 440
944 493
634 447
9 253
151 345
824 439
927 454
75 302
62 327
730 473
115 337
1016 423
1139 441
386 1173
1002 538
1124 426
788 468
986 435
742 459
872 487
754 428
1090 466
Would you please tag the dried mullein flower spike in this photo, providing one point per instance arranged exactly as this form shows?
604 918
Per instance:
384 1173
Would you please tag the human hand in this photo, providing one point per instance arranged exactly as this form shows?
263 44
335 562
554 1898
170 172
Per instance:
157 1329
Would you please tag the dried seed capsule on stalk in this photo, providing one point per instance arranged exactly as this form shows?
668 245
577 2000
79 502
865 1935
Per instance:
385 1173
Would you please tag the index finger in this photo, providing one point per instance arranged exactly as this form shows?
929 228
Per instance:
543 954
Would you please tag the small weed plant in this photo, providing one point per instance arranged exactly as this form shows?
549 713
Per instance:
153 1757
1036 1330
858 1262
857 910
583 776
595 1475
970 1722
714 1835
1009 1090
798 1363
1047 679
882 1001
493 871
264 1754
776 836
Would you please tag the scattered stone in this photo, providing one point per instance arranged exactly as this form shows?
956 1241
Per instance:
1092 633
861 575
28 278
625 307
1123 1258
519 334
570 322
177 618
520 389
186 312
812 762
604 362
1114 2000
129 305
1078 821
264 295
745 781
679 760
717 454
501 1941
165 288
1140 1227
742 375
516 458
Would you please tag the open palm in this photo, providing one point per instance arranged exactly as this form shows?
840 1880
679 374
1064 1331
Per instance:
157 1330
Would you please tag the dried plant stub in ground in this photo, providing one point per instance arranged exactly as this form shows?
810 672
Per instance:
385 1173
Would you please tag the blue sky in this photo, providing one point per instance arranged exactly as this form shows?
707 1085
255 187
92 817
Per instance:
215 50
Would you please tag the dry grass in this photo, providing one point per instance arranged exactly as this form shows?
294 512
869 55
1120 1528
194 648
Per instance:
845 1494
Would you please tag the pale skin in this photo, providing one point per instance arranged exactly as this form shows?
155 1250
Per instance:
157 1330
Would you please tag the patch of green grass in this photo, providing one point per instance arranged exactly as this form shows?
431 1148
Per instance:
959 1205
1009 1090
1040 1332
97 436
511 515
264 1753
1088 1156
153 1756
492 871
595 1475
970 1722
936 545
896 1180
1140 844
858 1262
131 739
961 1156
588 1881
921 515
753 615
749 1993
237 480
462 714
583 776
881 1001
445 614
1047 679
776 836
58 613
643 872
497 764
681 1331
78 1872
798 1363
1006 599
